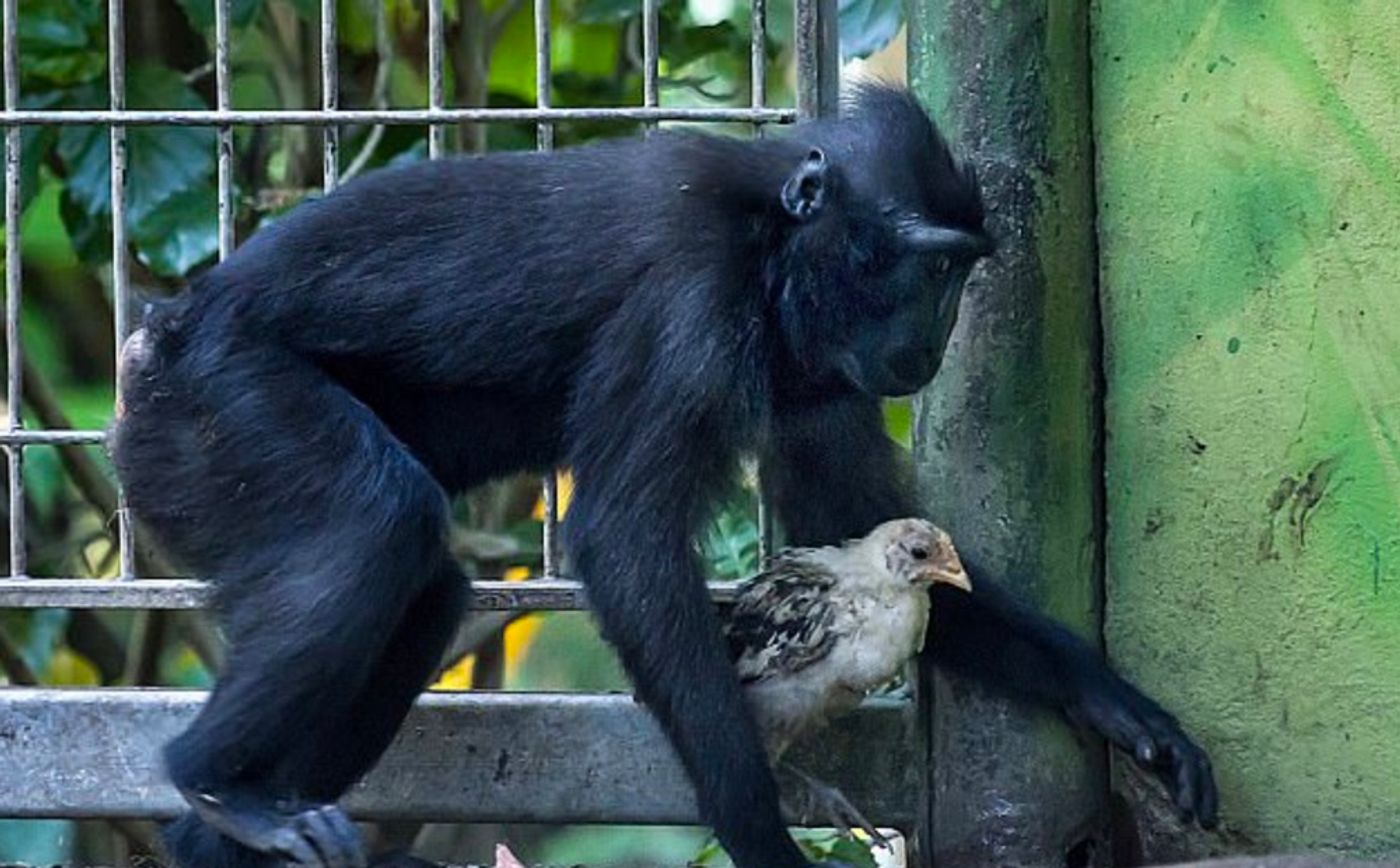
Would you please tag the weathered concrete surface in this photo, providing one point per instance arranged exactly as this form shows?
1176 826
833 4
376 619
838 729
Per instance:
1280 862
1249 200
1005 437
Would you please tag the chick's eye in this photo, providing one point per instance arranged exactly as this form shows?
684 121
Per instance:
919 552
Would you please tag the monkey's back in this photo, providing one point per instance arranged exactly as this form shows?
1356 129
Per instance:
416 268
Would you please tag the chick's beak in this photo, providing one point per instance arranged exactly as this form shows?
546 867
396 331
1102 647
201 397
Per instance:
949 572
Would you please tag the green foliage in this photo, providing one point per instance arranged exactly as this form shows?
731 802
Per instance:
730 546
170 174
866 26
819 845
241 12
55 41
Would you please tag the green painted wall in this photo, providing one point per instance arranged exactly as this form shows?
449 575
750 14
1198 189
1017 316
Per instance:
1249 217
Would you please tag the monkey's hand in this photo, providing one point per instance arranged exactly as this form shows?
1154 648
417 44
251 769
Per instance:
1119 712
306 836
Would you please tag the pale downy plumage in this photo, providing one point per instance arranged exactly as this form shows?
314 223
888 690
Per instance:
820 628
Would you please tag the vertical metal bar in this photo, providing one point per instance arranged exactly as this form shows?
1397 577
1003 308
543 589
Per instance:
544 132
330 93
13 351
223 88
758 98
551 525
818 60
544 139
116 87
758 58
651 93
765 527
437 133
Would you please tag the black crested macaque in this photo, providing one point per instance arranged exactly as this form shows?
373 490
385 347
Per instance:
642 311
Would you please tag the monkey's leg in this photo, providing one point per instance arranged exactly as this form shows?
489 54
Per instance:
323 533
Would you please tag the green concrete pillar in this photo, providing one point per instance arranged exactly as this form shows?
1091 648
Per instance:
1006 437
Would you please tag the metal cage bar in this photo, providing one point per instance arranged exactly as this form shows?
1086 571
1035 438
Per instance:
223 96
437 133
544 141
532 595
14 385
73 437
388 117
817 50
651 54
544 131
758 56
330 96
121 300
815 60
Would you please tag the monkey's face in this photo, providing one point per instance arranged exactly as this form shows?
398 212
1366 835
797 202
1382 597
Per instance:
897 347
876 264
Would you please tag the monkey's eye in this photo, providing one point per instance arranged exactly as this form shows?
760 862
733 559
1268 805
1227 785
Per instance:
919 552
942 265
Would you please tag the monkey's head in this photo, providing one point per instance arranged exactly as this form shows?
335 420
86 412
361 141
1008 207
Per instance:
884 226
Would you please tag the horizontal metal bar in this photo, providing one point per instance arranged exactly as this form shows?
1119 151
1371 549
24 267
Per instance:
22 437
460 757
558 595
401 117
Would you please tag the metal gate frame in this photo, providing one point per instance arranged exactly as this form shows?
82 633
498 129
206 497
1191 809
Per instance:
79 753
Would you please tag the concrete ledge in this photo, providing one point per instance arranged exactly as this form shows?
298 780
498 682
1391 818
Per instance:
460 757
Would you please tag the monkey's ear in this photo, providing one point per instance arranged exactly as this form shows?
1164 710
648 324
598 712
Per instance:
805 190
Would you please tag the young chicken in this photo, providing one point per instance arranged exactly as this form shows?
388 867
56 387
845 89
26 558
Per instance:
820 628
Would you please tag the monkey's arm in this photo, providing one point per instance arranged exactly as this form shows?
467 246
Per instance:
834 474
649 446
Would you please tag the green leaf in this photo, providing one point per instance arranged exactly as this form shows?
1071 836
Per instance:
613 11
899 420
163 164
731 543
38 633
62 41
243 13
687 44
180 233
606 11
35 144
309 10
824 846
866 26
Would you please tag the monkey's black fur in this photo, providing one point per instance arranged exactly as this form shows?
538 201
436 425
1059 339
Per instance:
641 311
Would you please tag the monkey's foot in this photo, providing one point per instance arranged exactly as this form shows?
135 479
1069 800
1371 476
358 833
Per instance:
319 836
821 800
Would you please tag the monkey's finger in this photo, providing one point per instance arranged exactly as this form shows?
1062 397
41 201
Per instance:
1145 752
315 829
1204 796
289 844
334 838
348 835
1209 813
1187 785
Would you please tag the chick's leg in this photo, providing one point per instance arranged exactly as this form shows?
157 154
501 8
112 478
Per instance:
823 802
